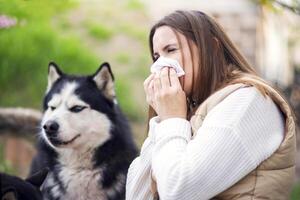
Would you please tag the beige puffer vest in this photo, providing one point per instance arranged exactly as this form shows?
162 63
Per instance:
274 177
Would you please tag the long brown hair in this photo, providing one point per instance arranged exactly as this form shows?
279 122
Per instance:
220 62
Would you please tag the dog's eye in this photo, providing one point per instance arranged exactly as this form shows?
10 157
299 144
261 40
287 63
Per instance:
77 109
52 108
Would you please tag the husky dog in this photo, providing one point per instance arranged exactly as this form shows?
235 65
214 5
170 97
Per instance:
85 140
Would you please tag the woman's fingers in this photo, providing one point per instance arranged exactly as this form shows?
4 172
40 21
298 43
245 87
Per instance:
165 95
148 87
156 83
147 81
164 78
150 93
174 80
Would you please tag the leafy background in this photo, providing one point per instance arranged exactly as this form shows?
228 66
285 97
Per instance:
60 31
78 36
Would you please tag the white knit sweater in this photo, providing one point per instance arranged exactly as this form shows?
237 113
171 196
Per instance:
235 137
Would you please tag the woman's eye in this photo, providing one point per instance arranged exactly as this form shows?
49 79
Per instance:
77 109
171 50
52 108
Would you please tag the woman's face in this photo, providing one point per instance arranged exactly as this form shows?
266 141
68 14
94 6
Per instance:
165 43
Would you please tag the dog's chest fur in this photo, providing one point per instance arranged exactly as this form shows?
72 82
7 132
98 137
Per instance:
77 178
82 184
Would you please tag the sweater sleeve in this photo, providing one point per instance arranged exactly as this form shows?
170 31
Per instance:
138 184
235 137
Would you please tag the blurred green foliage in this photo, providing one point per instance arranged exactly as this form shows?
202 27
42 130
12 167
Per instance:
134 31
279 5
135 5
44 32
123 57
99 31
28 47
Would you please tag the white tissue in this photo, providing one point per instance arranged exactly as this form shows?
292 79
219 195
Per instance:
166 62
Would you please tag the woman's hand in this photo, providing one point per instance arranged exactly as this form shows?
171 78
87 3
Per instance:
149 90
165 95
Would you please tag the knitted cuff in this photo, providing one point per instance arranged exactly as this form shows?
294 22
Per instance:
173 127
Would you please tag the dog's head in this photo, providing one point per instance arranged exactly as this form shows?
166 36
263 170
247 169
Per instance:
78 109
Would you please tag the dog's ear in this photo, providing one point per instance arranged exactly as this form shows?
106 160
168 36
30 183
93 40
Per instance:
104 80
54 73
10 194
38 178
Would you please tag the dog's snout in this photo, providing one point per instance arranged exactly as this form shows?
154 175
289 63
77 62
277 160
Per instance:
51 127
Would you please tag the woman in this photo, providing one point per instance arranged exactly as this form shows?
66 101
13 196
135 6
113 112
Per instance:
219 131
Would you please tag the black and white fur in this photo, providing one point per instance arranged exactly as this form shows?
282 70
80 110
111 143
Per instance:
85 140
15 188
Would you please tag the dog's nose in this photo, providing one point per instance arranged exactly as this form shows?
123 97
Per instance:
51 128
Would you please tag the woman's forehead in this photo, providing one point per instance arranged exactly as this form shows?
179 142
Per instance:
163 36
